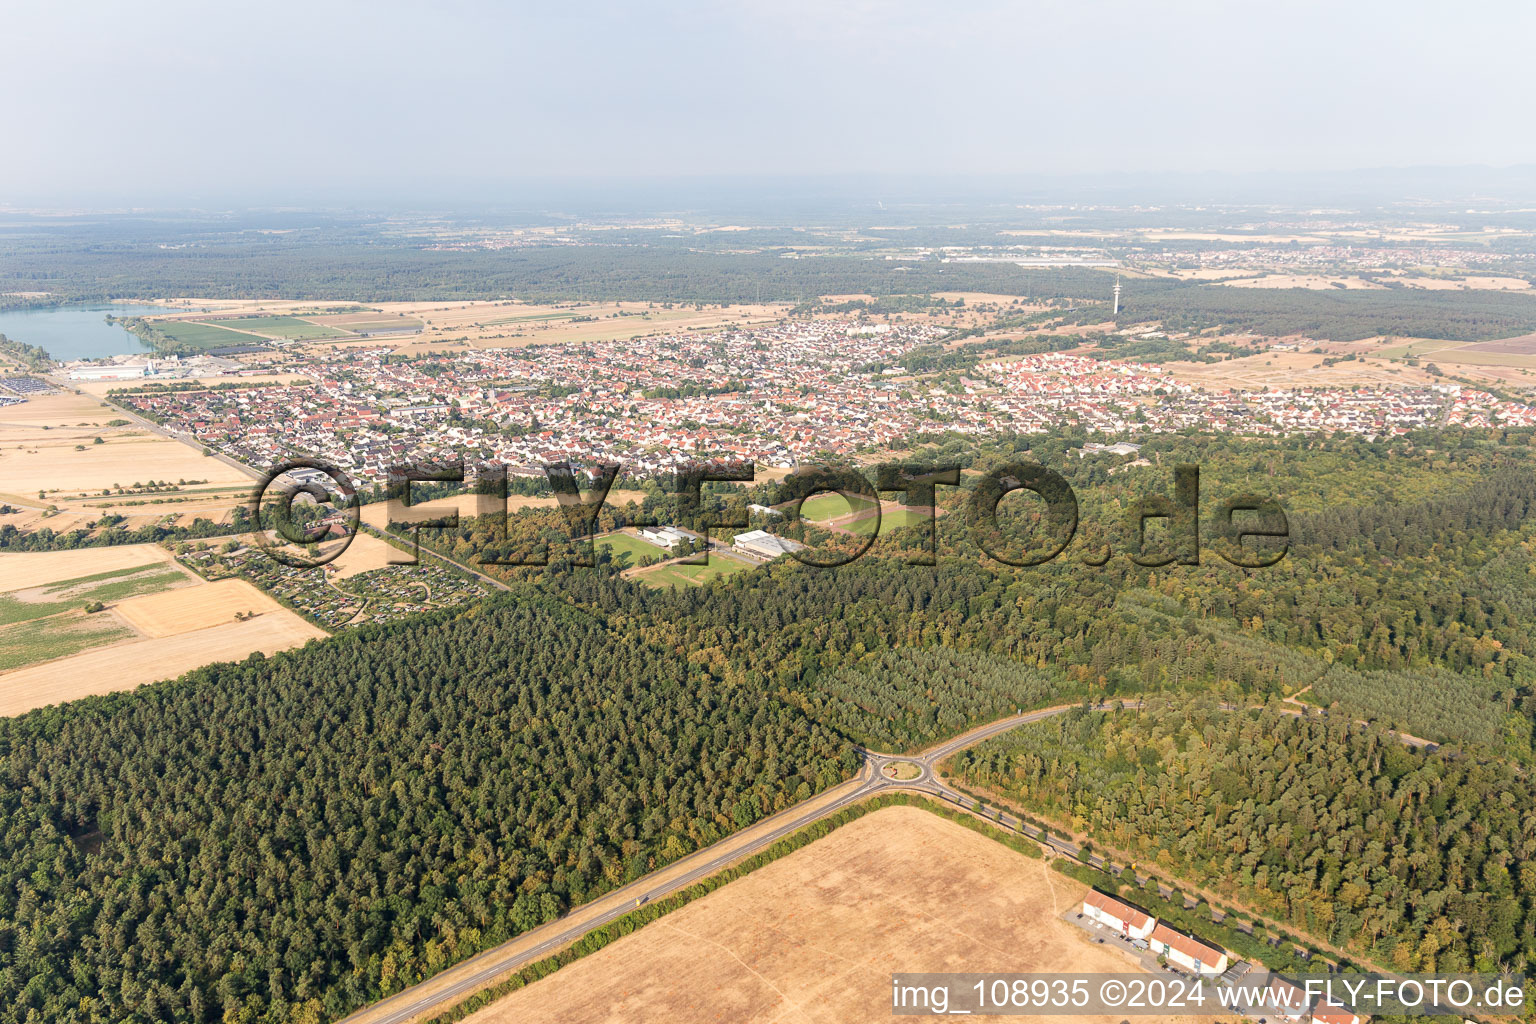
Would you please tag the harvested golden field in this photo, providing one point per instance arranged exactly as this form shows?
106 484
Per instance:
1313 282
455 325
1203 273
128 665
53 463
209 502
66 410
1292 369
157 624
101 387
468 505
1469 283
365 553
33 569
186 609
31 517
816 935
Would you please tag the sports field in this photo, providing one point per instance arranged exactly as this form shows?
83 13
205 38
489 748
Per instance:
890 520
634 547
673 575
823 508
816 935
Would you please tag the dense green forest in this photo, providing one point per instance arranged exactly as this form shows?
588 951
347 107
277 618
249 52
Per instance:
1419 861
1409 560
1336 315
909 698
284 839
372 268
31 357
377 272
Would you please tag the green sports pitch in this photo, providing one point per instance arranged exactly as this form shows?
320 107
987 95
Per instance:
889 522
690 575
625 544
821 508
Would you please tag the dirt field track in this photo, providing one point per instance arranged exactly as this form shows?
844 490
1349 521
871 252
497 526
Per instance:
815 936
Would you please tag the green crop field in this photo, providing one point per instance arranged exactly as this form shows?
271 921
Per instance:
48 622
289 327
688 575
27 643
105 587
623 543
822 507
889 521
12 610
200 335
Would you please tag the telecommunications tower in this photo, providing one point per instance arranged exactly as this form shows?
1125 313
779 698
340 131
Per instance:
1117 296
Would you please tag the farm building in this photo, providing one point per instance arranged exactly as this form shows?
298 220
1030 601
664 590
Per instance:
1187 952
1122 917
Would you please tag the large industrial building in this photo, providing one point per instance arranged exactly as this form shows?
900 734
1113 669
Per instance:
763 544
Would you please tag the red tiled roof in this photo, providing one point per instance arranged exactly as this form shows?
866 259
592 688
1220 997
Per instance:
1192 948
1124 911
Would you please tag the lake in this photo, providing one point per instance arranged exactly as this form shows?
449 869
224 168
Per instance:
76 332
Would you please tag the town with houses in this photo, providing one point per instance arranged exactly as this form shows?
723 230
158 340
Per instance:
781 395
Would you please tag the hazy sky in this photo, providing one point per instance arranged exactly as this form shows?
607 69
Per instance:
279 98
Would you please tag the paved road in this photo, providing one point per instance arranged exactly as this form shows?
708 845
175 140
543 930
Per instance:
411 1003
